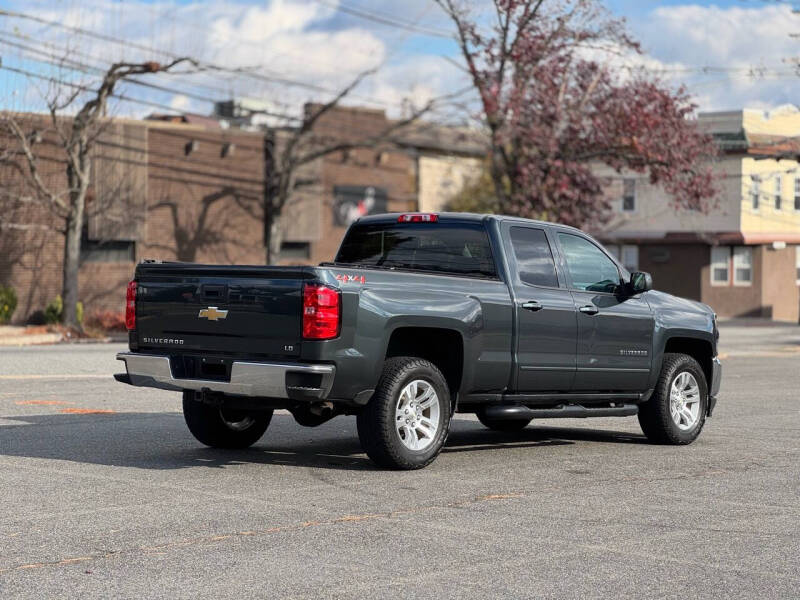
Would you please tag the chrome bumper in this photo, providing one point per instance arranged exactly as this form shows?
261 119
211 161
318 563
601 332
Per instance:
263 380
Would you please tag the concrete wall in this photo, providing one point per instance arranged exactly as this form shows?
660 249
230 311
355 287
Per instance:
781 293
442 177
669 265
684 270
656 214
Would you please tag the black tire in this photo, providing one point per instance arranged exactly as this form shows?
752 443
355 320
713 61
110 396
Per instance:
654 415
377 427
503 424
212 425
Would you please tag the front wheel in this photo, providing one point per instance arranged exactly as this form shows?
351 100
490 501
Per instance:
221 427
406 422
676 412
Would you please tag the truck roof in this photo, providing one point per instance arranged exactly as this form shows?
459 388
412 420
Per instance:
454 217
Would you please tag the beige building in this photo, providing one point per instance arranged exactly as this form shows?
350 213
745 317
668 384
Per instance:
743 257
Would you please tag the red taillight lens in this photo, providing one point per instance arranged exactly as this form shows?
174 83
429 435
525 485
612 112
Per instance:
418 218
130 306
321 312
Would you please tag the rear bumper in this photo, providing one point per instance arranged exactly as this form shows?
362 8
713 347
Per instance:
262 380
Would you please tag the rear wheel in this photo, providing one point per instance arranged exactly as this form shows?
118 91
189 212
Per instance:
503 424
221 427
406 423
676 412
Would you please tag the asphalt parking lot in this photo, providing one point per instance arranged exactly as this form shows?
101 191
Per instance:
104 493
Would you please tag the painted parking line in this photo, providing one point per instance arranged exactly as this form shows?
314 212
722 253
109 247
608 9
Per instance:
42 403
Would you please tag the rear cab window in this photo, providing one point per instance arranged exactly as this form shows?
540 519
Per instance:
534 257
452 248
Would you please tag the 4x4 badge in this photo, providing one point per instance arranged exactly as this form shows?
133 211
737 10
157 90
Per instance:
212 313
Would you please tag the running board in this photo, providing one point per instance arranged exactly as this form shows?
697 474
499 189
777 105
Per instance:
565 411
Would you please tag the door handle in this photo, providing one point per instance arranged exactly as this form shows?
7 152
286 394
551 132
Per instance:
532 305
589 309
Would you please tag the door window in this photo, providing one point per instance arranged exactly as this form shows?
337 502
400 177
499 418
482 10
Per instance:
589 267
534 257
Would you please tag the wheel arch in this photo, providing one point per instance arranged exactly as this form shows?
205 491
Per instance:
443 347
702 350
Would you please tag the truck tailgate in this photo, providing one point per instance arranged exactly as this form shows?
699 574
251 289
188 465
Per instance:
216 309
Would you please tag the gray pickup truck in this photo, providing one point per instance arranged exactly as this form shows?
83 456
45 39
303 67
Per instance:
418 317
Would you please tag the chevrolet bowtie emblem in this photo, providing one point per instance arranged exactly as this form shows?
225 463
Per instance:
212 313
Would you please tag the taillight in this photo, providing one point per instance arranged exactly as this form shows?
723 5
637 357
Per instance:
130 306
418 218
321 312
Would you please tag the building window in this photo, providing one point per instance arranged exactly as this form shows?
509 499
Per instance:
629 195
296 250
630 258
797 263
742 265
112 251
797 193
720 265
755 191
613 250
778 192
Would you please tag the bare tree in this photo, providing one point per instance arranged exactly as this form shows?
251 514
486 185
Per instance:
302 145
76 138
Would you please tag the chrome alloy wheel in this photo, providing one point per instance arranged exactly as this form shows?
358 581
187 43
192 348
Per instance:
417 415
684 401
236 422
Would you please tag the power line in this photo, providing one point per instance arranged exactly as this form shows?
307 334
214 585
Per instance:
206 65
385 19
72 51
89 69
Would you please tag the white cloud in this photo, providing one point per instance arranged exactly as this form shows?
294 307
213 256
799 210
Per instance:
279 40
750 46
311 42
180 102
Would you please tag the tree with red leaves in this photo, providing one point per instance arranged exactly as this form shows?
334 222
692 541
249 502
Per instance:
556 107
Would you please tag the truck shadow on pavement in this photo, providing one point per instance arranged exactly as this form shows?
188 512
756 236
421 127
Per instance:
161 441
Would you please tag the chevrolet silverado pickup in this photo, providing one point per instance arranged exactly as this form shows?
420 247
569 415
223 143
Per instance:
418 317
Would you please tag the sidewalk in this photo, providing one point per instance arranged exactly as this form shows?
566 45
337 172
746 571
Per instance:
11 335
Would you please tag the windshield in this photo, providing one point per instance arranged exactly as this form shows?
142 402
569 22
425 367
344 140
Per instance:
454 248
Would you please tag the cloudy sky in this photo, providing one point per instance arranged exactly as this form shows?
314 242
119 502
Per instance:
729 53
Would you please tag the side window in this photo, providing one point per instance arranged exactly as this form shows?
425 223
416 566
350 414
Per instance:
589 268
534 257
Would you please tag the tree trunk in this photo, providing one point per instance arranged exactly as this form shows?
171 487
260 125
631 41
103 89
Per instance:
72 260
498 173
274 237
78 179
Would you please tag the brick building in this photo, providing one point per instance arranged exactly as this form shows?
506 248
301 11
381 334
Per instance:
159 190
184 188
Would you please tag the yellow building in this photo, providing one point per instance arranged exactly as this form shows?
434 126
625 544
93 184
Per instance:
742 257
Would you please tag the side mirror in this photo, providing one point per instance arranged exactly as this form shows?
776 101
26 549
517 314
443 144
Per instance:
641 282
